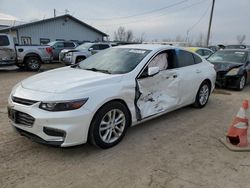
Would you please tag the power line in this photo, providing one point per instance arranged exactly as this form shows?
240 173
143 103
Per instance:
140 14
142 20
202 16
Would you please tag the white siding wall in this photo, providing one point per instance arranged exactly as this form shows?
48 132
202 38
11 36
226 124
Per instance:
59 29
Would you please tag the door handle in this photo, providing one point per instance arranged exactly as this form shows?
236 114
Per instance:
198 71
175 76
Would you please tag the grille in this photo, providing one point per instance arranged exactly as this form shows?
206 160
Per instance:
23 101
24 119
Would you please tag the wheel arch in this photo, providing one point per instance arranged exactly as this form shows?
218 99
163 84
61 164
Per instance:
32 55
115 100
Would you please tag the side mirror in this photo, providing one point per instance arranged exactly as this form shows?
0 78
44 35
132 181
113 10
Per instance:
153 71
91 49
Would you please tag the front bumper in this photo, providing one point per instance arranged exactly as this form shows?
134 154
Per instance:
227 81
47 126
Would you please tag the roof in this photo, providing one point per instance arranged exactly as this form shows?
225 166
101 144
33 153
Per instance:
147 46
54 18
194 49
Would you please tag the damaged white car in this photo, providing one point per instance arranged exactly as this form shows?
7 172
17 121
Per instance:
98 99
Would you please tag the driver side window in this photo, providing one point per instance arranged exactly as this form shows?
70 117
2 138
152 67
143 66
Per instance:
161 61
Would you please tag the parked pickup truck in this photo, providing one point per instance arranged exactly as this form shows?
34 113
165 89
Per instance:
74 56
23 56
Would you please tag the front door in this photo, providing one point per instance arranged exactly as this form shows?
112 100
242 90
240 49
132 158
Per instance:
158 93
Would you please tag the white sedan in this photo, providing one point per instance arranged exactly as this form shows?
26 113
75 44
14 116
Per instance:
98 99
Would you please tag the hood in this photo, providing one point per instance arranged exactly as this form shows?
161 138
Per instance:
64 51
68 79
225 66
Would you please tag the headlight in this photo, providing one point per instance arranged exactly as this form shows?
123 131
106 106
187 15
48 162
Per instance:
63 105
69 54
233 72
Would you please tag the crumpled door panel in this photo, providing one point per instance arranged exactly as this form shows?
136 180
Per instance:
158 93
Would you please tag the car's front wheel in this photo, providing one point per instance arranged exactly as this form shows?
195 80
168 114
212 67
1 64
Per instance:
202 95
109 125
241 82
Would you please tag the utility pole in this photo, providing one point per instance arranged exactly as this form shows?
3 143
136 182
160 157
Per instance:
210 23
54 12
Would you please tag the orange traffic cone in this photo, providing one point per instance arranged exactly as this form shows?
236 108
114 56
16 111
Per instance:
237 133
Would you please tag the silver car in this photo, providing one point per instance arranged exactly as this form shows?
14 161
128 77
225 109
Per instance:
74 56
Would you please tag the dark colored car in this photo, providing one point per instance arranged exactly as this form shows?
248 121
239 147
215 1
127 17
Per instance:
237 46
232 67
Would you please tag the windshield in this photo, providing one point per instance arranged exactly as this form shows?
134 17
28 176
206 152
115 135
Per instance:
228 56
114 60
84 46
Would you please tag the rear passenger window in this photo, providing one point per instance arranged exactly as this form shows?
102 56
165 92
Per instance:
200 52
206 52
69 44
197 59
95 47
103 46
185 58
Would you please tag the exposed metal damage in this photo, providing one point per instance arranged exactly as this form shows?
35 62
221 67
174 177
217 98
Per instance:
156 94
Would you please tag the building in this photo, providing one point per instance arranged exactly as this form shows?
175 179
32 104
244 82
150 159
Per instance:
65 27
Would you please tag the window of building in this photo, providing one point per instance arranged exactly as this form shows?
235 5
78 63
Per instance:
4 41
26 40
44 41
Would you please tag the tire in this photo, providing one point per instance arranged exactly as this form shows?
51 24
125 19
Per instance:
33 63
79 59
202 95
105 134
241 82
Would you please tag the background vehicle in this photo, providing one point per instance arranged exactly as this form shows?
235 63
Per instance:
108 92
204 52
232 67
237 46
70 57
58 46
23 56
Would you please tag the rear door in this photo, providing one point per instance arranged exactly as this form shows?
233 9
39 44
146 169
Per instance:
190 72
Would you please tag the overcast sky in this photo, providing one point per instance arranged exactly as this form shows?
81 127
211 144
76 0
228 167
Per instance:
161 19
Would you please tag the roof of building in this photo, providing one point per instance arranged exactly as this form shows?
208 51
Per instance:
54 18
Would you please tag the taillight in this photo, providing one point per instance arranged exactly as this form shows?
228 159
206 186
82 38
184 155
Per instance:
49 50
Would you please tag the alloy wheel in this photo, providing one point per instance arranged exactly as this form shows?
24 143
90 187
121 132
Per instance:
112 125
204 94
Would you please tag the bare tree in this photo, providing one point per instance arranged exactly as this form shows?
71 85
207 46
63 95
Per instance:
122 35
241 39
129 36
141 38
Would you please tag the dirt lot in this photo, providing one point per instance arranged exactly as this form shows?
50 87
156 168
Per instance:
180 149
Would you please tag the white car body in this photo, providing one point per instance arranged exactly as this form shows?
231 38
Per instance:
169 94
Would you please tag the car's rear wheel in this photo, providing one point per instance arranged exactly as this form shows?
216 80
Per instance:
33 63
109 125
241 82
202 95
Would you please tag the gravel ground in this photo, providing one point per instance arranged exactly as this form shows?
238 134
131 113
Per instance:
180 149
